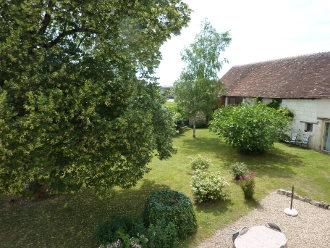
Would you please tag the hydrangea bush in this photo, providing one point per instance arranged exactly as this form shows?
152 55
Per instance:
200 163
207 187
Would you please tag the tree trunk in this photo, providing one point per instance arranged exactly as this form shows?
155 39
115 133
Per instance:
194 128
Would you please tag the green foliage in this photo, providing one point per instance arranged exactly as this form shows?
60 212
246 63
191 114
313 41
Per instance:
239 170
252 128
167 92
200 163
171 206
200 120
247 184
275 103
162 234
179 119
208 187
197 89
118 228
287 112
77 221
78 105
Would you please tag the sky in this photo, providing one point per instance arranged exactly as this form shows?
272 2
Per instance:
260 29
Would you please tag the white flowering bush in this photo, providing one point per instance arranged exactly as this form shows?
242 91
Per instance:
208 187
200 163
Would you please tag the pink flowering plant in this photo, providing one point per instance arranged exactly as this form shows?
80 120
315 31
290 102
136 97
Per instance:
247 184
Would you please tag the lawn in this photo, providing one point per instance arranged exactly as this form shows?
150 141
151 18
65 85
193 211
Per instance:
69 221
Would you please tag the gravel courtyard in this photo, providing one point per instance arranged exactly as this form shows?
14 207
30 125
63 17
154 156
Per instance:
310 229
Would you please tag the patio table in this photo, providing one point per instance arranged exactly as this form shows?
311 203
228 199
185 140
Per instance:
261 237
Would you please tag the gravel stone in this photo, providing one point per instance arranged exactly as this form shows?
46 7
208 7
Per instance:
311 228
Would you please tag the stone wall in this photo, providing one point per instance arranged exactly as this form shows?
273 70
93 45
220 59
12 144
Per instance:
305 199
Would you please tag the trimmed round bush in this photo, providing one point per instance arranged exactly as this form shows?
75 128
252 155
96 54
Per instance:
208 187
200 163
162 235
171 206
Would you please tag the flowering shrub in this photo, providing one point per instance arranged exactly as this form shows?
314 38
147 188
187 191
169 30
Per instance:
200 163
208 186
239 170
247 184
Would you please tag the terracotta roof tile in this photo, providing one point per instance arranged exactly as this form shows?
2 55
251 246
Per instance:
305 76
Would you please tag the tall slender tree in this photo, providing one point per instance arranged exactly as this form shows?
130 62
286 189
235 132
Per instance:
197 90
78 104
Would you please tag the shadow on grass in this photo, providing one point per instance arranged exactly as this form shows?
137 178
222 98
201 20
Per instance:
215 208
274 163
69 220
252 203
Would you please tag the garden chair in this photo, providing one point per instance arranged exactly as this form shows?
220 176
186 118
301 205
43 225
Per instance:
294 138
304 141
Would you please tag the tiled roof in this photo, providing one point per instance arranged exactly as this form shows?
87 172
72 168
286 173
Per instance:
305 76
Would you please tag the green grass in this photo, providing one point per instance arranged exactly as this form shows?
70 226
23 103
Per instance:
69 221
170 105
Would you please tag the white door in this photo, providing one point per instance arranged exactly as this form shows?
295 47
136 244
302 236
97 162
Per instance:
327 137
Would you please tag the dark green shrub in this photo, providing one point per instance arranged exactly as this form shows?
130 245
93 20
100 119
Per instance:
118 228
252 128
171 206
200 163
208 186
239 170
163 235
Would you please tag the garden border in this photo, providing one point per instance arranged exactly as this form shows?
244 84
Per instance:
321 204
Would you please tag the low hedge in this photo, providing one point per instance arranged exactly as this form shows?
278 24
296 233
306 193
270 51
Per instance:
171 206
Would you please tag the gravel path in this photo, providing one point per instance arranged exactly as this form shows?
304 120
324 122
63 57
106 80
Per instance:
310 229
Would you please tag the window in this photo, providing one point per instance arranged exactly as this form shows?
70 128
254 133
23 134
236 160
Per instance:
235 100
308 127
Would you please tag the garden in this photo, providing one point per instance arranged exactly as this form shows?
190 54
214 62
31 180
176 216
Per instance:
90 156
71 220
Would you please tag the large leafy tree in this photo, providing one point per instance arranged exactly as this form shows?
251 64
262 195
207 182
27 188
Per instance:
78 103
197 90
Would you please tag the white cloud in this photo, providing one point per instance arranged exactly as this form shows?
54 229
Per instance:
261 30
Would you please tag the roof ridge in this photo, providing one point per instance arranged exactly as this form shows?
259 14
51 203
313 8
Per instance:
283 59
302 76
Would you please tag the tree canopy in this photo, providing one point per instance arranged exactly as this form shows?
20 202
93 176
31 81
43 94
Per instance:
197 90
79 106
